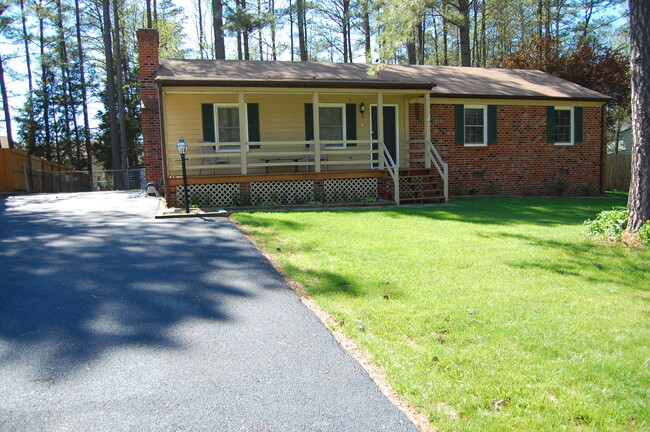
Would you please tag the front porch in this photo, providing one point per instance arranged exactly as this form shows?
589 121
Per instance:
257 146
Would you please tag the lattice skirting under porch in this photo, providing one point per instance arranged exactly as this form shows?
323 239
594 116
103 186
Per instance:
355 189
282 192
210 195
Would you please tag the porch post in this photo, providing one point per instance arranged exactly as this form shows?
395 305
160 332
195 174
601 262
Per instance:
314 99
380 128
427 129
242 131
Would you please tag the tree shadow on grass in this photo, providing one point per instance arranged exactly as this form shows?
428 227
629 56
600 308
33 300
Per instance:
592 262
76 286
506 211
326 282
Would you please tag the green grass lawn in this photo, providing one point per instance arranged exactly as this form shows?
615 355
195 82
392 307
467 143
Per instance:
493 302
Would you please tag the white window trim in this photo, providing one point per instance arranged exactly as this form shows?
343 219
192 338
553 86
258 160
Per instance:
224 147
485 126
571 132
335 105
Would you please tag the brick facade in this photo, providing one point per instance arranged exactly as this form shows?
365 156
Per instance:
521 162
151 123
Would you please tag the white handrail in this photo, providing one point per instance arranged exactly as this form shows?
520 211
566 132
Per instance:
441 167
393 170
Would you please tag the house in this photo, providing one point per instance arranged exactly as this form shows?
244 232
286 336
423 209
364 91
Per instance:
299 131
625 140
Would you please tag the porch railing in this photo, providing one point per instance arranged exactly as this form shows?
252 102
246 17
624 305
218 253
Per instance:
432 156
204 156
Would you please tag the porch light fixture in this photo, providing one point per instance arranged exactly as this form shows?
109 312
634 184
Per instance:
362 109
182 150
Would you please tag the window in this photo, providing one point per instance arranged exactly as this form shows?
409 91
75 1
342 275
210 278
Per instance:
227 126
332 125
475 125
563 121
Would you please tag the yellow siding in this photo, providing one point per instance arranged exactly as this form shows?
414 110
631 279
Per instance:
281 118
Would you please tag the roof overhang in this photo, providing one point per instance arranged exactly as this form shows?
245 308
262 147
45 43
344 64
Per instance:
167 82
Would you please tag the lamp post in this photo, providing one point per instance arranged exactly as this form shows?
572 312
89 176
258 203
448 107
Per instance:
182 149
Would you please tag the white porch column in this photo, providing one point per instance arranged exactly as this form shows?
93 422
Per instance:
427 129
243 132
316 114
380 128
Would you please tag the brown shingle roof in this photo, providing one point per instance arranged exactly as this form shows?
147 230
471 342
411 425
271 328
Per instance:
443 81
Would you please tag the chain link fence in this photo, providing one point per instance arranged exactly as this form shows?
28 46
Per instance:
40 181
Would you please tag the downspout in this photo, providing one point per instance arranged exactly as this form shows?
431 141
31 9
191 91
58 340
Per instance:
163 140
602 149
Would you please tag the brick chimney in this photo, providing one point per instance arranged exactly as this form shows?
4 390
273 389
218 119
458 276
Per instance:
151 122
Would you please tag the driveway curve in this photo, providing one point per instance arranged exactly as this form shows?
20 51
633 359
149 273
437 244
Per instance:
113 321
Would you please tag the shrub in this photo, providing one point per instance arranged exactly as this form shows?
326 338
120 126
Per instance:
608 225
561 186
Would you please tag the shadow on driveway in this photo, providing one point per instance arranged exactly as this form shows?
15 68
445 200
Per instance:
80 283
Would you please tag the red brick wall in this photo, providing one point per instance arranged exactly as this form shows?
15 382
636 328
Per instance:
521 162
151 123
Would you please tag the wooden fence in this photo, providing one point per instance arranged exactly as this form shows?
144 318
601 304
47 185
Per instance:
618 171
12 174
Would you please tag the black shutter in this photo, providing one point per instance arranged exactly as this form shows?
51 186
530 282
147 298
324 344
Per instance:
460 123
207 114
253 112
550 124
309 122
492 124
577 127
351 123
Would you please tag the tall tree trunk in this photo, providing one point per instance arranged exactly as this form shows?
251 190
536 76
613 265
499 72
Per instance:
293 48
463 30
84 96
421 41
44 86
244 34
240 52
366 31
261 45
217 18
28 60
5 105
65 81
274 50
148 14
302 43
347 52
436 39
200 29
476 56
124 163
445 41
639 199
410 52
110 86
483 35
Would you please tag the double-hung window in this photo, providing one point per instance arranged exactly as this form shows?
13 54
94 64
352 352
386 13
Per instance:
227 126
563 133
332 125
475 125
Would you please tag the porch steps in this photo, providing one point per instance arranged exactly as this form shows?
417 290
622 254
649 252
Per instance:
420 186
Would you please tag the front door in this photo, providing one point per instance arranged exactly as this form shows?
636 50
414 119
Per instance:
390 132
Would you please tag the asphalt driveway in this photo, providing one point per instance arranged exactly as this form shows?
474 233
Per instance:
113 321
